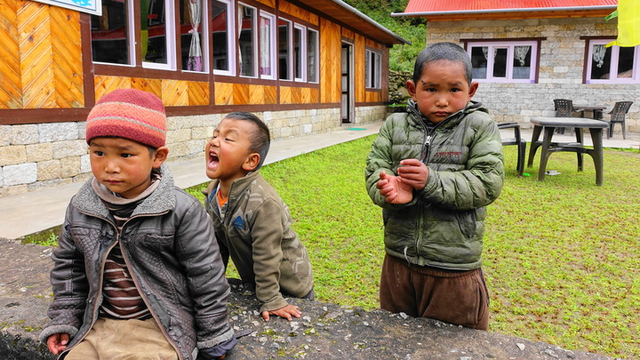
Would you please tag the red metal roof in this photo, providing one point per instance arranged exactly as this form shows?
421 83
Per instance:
440 6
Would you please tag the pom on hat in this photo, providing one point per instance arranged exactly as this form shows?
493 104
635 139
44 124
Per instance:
131 114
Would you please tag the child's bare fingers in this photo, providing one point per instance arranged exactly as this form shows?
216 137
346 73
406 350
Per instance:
382 183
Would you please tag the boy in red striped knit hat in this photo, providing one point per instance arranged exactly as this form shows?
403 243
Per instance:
138 272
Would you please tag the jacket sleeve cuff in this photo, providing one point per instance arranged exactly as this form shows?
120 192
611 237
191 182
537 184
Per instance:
277 303
57 329
222 338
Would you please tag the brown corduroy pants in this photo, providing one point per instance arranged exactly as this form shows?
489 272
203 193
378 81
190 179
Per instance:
455 297
124 340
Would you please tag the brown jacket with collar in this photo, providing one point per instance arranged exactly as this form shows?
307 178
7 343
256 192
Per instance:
255 230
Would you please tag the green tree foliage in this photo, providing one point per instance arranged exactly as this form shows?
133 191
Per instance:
413 29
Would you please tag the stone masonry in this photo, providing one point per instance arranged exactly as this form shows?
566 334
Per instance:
561 66
34 156
325 331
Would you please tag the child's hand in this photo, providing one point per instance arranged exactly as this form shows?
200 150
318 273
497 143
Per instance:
57 342
394 189
413 172
284 312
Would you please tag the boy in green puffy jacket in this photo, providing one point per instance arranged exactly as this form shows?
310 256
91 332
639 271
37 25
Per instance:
433 170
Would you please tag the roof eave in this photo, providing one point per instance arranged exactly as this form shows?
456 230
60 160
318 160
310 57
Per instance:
497 11
371 21
380 33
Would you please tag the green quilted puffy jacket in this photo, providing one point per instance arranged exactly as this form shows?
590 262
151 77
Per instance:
443 226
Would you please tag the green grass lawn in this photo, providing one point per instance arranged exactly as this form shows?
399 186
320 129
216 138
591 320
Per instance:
561 256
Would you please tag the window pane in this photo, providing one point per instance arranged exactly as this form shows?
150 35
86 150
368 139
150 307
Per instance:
219 32
521 62
110 33
378 71
265 46
153 32
191 39
372 71
297 52
479 61
246 41
499 62
600 62
283 49
312 56
625 62
367 69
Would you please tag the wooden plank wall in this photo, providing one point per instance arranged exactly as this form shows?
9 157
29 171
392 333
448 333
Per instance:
40 56
295 11
330 70
172 92
41 65
359 68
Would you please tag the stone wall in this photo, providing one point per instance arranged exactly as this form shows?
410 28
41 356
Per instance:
34 156
325 331
561 67
369 114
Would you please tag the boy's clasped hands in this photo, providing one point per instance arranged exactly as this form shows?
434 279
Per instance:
412 174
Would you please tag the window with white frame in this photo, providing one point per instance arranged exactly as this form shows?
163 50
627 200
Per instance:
284 49
504 61
267 45
223 37
613 64
299 52
158 35
112 37
373 69
193 40
247 43
312 55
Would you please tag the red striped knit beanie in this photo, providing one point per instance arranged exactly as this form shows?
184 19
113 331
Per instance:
131 114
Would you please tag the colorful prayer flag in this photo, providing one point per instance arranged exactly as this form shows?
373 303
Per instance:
628 23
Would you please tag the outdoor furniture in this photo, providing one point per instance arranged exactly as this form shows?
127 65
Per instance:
563 108
516 140
549 124
618 115
596 111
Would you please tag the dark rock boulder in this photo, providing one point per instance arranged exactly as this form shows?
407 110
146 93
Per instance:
325 331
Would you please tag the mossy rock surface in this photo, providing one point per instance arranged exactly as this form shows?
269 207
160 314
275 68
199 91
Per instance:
325 331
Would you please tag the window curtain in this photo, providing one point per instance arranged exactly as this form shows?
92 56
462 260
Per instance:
599 52
521 53
485 51
195 50
265 46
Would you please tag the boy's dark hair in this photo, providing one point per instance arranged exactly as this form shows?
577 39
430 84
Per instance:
260 138
442 51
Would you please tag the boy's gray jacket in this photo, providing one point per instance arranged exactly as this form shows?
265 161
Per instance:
256 232
443 225
171 253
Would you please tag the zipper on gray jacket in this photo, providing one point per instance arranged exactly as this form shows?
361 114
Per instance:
425 148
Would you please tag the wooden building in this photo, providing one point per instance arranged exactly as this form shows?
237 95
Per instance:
304 66
525 53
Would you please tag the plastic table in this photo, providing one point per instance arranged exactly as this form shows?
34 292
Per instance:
549 124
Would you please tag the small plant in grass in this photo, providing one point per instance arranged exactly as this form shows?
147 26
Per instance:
47 237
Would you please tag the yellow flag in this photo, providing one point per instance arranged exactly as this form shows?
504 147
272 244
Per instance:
628 23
